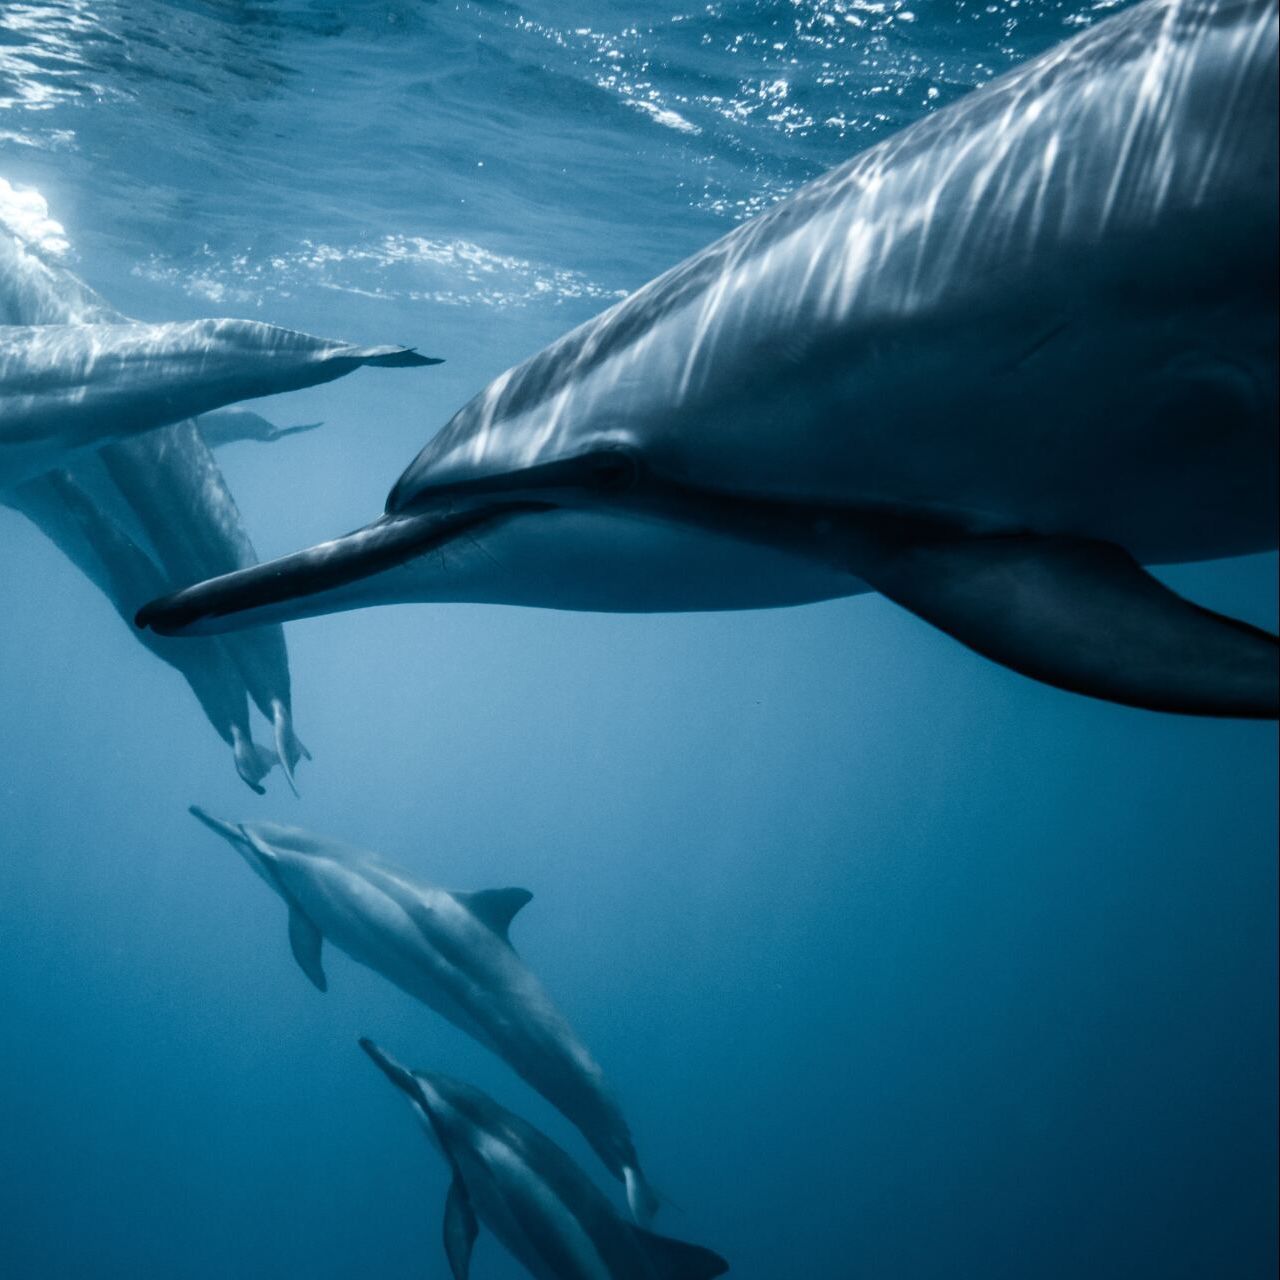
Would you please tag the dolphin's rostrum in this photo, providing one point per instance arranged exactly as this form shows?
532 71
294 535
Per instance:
452 952
530 1194
990 368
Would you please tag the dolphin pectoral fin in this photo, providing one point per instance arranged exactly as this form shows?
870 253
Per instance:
495 907
1078 614
305 940
676 1260
460 1229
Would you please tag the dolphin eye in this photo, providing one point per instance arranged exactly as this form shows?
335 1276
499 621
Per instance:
613 470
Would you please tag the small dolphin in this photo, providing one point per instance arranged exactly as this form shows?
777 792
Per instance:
547 1213
229 426
989 368
452 952
64 388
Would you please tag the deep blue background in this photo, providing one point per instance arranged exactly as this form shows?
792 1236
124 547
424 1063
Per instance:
903 966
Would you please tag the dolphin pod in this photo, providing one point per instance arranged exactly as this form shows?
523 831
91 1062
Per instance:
452 952
530 1194
146 511
105 552
990 367
71 387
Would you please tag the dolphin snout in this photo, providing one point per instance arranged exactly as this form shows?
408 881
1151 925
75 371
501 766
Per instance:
226 829
389 1067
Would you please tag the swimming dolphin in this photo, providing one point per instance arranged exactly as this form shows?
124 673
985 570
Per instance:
548 1214
229 426
452 952
70 387
177 492
87 516
988 368
104 551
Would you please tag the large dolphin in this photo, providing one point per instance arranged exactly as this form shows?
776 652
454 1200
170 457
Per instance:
988 368
529 1192
452 952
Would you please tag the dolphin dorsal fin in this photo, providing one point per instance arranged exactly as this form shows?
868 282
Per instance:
675 1260
305 940
460 1229
495 907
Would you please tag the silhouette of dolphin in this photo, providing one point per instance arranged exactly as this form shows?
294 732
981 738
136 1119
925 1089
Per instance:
988 368
548 1214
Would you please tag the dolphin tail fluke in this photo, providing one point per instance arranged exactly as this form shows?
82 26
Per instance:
676 1260
289 746
1078 614
643 1201
253 762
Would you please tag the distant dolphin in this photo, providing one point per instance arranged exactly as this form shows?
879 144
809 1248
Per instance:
547 1213
229 426
985 368
452 952
64 388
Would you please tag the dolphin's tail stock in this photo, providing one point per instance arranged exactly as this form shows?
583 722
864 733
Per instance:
253 762
643 1201
289 746
1078 614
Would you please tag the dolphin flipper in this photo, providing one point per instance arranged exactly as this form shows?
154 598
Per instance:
460 1229
305 940
642 1199
676 1260
1078 614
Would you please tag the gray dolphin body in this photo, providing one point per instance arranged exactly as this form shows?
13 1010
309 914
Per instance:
144 513
103 549
66 388
178 494
988 367
452 952
548 1214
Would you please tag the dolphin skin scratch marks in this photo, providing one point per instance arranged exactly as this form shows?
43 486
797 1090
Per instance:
989 367
452 952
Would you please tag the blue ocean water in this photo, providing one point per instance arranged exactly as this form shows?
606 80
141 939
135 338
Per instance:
903 966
